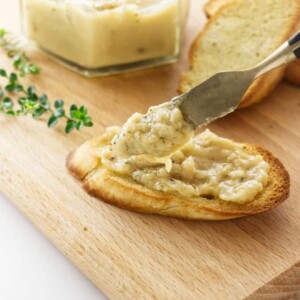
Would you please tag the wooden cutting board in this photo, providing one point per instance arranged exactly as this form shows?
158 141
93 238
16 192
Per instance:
135 256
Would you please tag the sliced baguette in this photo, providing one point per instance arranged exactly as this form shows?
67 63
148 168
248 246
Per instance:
123 192
238 36
212 6
292 73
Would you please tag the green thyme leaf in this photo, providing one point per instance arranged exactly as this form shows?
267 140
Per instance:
7 102
31 90
73 107
38 112
76 114
10 87
52 121
83 109
79 125
71 124
13 77
43 98
3 73
58 103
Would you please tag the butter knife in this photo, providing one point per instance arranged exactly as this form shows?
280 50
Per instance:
221 94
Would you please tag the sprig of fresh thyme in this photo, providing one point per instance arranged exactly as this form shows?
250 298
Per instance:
14 49
29 101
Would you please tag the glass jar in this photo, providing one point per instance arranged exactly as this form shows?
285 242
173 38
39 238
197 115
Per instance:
101 37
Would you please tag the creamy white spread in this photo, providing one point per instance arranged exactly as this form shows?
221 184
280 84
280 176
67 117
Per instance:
150 139
101 33
209 166
159 132
102 5
202 166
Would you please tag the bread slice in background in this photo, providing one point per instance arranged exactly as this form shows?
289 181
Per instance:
293 73
293 70
238 36
124 192
212 6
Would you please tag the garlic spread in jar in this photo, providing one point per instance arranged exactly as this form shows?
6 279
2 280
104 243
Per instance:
95 34
205 165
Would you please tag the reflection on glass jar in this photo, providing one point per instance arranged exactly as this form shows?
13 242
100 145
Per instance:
97 37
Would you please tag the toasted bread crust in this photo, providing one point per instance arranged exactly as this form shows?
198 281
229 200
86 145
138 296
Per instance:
265 84
123 192
262 87
212 6
293 73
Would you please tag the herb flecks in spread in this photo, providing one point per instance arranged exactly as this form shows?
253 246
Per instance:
206 166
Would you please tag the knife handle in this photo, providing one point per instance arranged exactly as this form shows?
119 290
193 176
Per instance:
293 40
287 52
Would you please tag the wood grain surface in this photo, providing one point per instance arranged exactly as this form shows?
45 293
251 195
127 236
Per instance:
134 256
285 286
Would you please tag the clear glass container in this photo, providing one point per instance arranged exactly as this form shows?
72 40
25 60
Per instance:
101 37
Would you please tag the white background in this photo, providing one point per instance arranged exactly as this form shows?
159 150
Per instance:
31 268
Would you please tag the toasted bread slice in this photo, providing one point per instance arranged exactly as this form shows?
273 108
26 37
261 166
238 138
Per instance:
238 36
293 70
212 6
124 192
293 73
